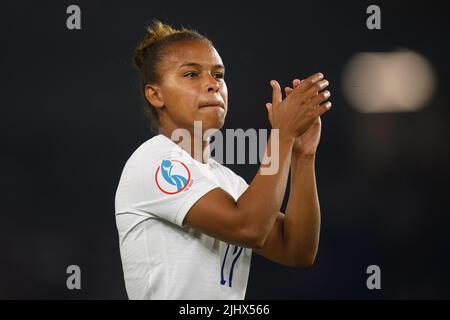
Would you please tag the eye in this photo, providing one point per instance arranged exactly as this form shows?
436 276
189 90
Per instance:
191 74
219 75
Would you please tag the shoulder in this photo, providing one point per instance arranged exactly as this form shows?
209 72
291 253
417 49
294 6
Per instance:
154 150
147 157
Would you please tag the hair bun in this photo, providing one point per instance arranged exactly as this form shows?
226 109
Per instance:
155 32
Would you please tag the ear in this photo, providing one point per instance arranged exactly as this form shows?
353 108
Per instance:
154 95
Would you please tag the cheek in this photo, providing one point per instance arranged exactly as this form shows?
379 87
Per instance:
187 92
181 97
224 92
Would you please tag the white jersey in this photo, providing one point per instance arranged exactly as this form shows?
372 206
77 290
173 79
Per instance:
162 258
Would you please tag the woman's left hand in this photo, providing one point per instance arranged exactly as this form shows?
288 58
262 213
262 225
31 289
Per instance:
305 146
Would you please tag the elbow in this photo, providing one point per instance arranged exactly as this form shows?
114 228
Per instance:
255 239
252 235
305 260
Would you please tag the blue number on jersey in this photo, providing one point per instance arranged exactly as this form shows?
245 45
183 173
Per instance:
236 253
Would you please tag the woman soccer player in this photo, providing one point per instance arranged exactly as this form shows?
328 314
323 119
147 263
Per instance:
188 225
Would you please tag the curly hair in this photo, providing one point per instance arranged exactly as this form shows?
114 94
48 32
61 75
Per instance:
151 51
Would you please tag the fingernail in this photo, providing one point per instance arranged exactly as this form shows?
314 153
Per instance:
323 84
318 77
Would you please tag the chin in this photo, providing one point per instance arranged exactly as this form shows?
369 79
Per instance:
213 120
217 124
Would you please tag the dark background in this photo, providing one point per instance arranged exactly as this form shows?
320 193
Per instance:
71 117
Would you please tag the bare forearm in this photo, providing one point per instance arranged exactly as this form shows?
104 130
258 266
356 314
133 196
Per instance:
262 200
302 217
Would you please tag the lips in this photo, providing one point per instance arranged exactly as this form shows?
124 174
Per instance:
213 104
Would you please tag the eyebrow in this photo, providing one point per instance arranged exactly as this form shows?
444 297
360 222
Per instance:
193 64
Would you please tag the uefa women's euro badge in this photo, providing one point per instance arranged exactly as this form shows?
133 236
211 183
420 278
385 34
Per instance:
173 176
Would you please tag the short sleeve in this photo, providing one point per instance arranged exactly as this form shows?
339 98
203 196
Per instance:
167 186
242 185
237 184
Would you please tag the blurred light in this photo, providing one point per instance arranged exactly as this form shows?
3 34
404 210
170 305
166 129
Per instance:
401 81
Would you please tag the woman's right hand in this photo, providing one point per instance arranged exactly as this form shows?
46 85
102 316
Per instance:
300 109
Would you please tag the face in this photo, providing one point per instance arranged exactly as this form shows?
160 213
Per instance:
192 87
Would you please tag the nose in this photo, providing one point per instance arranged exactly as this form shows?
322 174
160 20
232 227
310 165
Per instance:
213 84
